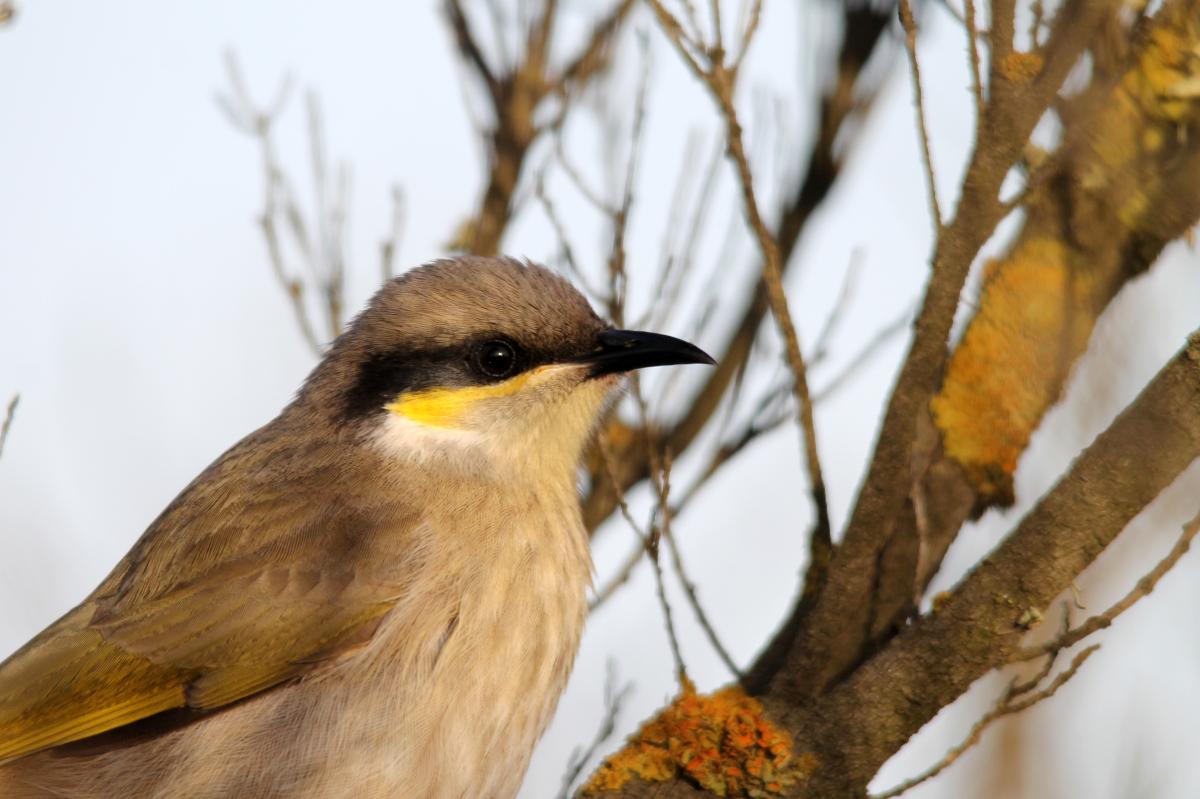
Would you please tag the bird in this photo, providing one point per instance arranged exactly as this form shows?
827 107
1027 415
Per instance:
379 593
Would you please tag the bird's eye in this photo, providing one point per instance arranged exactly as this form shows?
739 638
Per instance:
496 359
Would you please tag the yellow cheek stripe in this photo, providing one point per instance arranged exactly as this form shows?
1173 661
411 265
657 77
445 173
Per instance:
445 407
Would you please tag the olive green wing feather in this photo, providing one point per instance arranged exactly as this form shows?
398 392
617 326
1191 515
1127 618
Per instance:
249 579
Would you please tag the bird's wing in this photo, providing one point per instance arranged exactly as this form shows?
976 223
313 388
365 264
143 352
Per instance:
244 582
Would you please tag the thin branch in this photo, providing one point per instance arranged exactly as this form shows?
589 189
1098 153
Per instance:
650 546
973 50
847 99
566 251
679 265
1055 542
720 82
684 43
1103 621
613 699
468 47
834 629
620 219
391 245
259 123
577 179
592 58
9 414
660 531
718 48
868 351
1008 705
689 588
620 577
1000 34
910 44
518 100
748 34
840 306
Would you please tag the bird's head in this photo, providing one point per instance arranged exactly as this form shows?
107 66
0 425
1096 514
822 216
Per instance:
470 355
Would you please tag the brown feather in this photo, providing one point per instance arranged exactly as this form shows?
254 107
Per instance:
236 587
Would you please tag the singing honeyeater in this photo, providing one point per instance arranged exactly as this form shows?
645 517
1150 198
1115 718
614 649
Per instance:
378 594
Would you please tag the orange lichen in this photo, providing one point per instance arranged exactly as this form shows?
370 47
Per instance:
1033 321
722 742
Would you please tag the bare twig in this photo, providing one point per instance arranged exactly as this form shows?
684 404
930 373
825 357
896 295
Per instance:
973 50
620 577
680 264
840 306
391 245
721 83
868 351
620 218
657 533
689 590
9 414
1104 620
257 122
592 58
614 697
566 251
960 17
319 242
834 629
748 33
588 193
468 46
518 97
910 44
1013 701
846 100
650 546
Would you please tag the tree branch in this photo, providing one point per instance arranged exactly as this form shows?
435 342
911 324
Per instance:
516 97
1008 705
1102 621
846 100
834 635
888 698
10 413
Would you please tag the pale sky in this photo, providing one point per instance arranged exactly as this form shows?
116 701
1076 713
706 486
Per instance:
142 327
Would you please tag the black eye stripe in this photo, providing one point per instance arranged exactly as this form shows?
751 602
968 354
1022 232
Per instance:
382 376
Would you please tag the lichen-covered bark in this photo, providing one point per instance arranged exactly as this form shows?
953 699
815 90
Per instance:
1105 205
855 674
1123 184
980 623
842 737
723 742
835 635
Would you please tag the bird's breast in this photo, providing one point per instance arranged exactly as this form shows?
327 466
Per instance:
464 674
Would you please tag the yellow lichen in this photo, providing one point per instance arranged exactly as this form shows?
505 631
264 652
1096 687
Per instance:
1040 301
1033 321
1021 68
722 742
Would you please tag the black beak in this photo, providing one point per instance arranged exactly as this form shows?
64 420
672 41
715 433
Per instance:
625 350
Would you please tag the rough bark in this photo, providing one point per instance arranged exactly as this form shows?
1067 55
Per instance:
854 672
